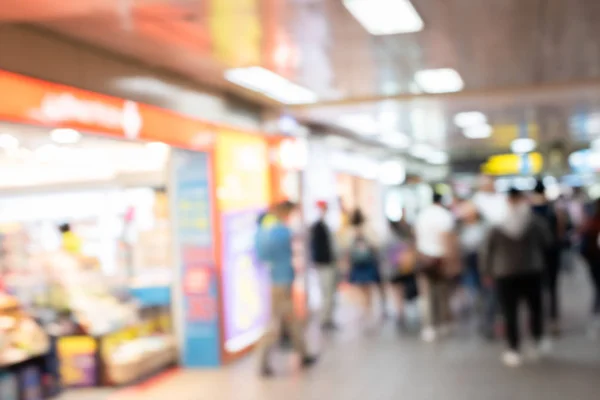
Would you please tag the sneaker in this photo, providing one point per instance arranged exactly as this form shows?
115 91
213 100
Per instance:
512 359
428 335
308 361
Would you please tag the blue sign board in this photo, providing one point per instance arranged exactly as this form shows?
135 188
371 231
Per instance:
195 247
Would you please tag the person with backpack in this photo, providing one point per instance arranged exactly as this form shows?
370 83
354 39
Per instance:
514 257
361 247
274 248
590 250
557 225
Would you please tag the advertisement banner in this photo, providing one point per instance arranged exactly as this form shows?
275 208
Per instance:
198 275
245 282
243 181
77 355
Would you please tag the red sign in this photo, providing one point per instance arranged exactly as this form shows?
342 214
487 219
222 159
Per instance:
201 308
197 280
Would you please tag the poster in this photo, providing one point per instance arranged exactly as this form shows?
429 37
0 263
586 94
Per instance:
77 355
195 252
245 282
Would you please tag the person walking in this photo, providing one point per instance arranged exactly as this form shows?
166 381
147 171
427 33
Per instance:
323 258
436 245
590 250
557 229
514 256
275 247
362 249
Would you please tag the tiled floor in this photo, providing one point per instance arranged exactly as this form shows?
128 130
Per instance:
384 366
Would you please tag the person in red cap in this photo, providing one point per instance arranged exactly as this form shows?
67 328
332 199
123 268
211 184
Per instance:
323 258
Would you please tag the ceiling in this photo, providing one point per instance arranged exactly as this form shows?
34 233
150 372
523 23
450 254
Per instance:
533 64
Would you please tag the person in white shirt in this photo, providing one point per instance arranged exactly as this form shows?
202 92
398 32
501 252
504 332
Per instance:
436 246
490 204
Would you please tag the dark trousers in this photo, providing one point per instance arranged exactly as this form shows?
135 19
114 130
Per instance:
551 275
594 266
511 290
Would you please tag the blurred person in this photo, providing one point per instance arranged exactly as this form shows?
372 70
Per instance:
472 232
265 221
274 245
71 242
514 256
323 258
490 204
557 225
362 247
437 251
590 250
402 257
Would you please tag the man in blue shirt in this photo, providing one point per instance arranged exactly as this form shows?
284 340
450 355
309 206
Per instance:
275 249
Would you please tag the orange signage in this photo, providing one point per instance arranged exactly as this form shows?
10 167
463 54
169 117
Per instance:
32 101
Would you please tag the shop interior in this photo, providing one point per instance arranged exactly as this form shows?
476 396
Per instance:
85 262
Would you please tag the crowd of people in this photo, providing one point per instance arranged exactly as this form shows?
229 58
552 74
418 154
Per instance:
480 257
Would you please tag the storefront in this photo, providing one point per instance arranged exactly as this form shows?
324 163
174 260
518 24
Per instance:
156 204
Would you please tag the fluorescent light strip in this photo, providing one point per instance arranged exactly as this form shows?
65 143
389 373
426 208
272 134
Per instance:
385 17
443 80
523 145
469 118
478 132
270 84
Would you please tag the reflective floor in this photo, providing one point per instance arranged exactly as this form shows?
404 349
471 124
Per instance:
384 365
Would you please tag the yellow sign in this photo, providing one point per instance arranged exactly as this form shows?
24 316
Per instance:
503 135
77 358
512 164
243 179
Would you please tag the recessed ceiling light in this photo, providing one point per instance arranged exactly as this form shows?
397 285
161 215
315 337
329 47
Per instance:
270 84
470 118
523 145
478 131
385 17
8 142
443 80
438 157
65 136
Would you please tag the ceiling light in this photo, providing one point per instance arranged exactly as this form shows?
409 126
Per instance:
470 118
522 145
421 150
438 158
270 84
443 80
8 142
385 17
392 173
478 131
65 136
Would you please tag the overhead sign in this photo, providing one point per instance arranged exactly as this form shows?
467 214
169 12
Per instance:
38 102
513 164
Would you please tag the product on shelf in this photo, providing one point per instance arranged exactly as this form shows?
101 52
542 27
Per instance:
21 338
